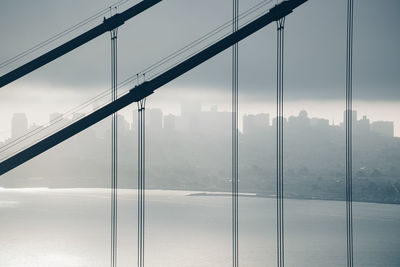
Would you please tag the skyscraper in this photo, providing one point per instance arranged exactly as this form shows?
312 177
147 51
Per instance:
19 125
169 122
255 123
154 119
384 128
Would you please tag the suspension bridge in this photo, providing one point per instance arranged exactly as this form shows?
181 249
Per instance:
147 84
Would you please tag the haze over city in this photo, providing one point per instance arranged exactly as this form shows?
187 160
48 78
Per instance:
204 138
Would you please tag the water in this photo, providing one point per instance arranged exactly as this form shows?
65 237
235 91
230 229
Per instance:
70 227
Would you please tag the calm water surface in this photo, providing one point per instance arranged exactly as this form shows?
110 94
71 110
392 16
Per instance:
70 227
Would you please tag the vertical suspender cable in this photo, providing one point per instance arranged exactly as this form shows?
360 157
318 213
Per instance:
114 144
279 143
235 175
349 145
141 180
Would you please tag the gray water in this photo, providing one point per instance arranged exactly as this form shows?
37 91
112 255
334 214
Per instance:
70 227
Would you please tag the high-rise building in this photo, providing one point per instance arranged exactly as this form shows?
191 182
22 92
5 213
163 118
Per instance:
320 124
353 116
190 115
19 125
214 122
384 128
362 126
255 123
55 116
274 122
123 125
169 122
299 122
57 121
33 127
154 118
77 116
190 108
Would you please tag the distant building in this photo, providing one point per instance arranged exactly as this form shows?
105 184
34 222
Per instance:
123 125
57 120
77 116
384 128
190 115
208 122
55 116
102 128
362 126
214 108
255 123
214 122
169 122
190 108
285 122
301 121
134 122
181 124
154 119
19 125
320 124
33 127
353 117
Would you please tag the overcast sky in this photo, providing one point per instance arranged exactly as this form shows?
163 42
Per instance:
315 42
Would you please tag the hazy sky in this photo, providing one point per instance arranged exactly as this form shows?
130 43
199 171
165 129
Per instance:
314 56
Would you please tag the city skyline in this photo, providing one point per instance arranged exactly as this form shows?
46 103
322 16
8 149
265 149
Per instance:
314 155
189 114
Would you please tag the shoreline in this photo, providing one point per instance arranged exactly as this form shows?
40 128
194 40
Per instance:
188 193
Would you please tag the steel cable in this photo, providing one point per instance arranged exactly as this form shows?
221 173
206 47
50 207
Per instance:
114 151
279 143
349 141
141 181
235 161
